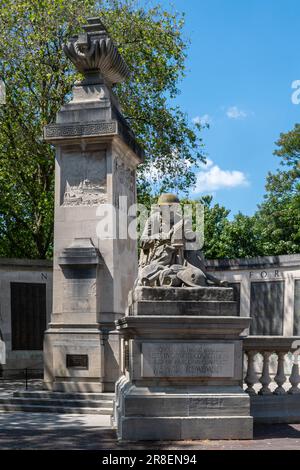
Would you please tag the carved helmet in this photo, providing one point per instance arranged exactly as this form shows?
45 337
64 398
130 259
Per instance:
192 277
167 199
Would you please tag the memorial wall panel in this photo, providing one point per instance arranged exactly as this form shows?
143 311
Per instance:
266 308
297 308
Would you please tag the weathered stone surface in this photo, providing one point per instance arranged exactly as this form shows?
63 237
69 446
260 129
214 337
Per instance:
216 301
182 294
94 51
61 343
259 262
182 375
92 273
275 408
213 308
187 359
80 253
156 429
63 131
187 327
267 308
170 251
296 329
186 404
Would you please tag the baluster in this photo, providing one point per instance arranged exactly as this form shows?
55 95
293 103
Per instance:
295 377
251 378
265 379
280 377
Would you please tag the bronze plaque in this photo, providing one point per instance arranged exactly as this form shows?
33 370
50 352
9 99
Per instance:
79 361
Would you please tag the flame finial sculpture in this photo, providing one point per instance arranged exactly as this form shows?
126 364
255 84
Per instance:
95 55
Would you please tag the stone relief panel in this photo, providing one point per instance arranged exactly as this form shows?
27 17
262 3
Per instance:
83 178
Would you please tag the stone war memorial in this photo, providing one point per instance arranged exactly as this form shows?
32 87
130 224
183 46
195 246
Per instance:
175 349
141 330
182 343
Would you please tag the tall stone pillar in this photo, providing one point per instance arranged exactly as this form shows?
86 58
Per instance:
96 158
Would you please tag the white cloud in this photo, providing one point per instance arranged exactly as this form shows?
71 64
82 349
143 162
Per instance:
207 164
233 112
203 120
213 178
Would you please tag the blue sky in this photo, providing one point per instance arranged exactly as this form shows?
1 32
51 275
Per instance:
244 56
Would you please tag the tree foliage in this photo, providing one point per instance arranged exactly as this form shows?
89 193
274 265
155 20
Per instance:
278 217
38 80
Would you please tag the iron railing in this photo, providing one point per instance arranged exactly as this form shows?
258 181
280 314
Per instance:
27 374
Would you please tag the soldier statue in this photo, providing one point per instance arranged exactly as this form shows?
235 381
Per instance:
166 257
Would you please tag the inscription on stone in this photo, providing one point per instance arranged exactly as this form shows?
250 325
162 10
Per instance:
79 361
187 360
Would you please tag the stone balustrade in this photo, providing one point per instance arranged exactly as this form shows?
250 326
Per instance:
272 378
286 378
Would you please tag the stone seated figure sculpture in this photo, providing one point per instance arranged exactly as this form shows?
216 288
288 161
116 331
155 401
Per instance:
182 343
166 256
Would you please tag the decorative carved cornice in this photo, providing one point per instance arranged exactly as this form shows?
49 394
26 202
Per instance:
95 55
93 128
74 130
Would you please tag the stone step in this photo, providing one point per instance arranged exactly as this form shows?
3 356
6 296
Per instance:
57 402
43 394
54 409
44 401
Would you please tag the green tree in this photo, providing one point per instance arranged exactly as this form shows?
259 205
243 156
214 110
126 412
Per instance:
241 238
38 80
215 224
278 217
224 238
275 227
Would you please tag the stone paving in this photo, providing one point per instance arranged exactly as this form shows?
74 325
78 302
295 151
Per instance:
7 387
93 432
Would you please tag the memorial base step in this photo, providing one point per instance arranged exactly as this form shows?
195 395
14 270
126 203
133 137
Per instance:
186 428
57 402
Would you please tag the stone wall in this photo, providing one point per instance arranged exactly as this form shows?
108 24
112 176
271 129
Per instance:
269 291
33 276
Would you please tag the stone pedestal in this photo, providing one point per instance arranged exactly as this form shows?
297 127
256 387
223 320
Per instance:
96 158
182 372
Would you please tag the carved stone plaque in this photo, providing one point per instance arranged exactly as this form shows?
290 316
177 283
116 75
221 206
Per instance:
80 361
187 359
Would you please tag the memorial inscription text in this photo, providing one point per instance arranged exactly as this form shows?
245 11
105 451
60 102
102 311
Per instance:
188 359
